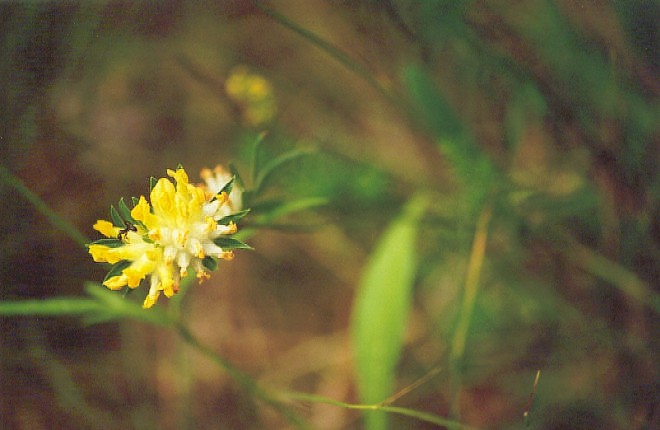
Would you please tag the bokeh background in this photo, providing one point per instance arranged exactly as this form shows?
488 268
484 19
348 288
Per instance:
544 110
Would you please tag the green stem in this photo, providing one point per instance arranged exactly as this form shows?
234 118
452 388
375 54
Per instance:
625 281
459 339
250 386
41 206
331 50
61 306
247 383
422 416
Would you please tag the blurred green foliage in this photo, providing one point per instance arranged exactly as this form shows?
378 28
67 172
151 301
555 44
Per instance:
529 128
381 308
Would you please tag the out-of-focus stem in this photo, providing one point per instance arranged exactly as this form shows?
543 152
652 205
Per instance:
471 289
247 383
41 206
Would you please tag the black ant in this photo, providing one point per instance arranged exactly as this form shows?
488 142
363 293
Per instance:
124 231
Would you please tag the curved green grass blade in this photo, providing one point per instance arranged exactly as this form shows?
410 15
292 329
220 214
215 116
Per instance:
381 309
268 170
55 219
114 307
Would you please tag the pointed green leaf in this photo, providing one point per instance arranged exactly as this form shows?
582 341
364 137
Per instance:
117 269
228 186
255 156
114 306
273 165
152 183
432 106
381 309
135 201
233 217
116 218
234 171
471 164
277 210
210 263
228 243
125 212
109 242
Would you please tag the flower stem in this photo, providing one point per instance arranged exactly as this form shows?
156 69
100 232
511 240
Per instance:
333 51
459 339
422 416
247 383
41 206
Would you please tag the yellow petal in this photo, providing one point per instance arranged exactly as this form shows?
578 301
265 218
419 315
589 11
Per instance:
180 176
142 212
104 254
138 270
115 282
167 283
106 228
150 300
227 255
162 198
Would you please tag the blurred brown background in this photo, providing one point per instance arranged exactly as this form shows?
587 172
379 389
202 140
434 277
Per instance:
561 96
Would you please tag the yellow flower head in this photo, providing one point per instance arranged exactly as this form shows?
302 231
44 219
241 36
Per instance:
253 94
182 226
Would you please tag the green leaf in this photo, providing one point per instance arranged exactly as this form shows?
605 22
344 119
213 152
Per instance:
228 243
381 308
49 307
454 139
255 155
109 242
228 186
135 201
56 220
432 106
272 212
273 165
233 217
125 212
210 263
105 305
234 171
471 164
116 269
114 306
116 218
152 183
527 104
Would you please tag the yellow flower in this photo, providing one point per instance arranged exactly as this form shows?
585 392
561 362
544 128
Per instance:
181 228
253 94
